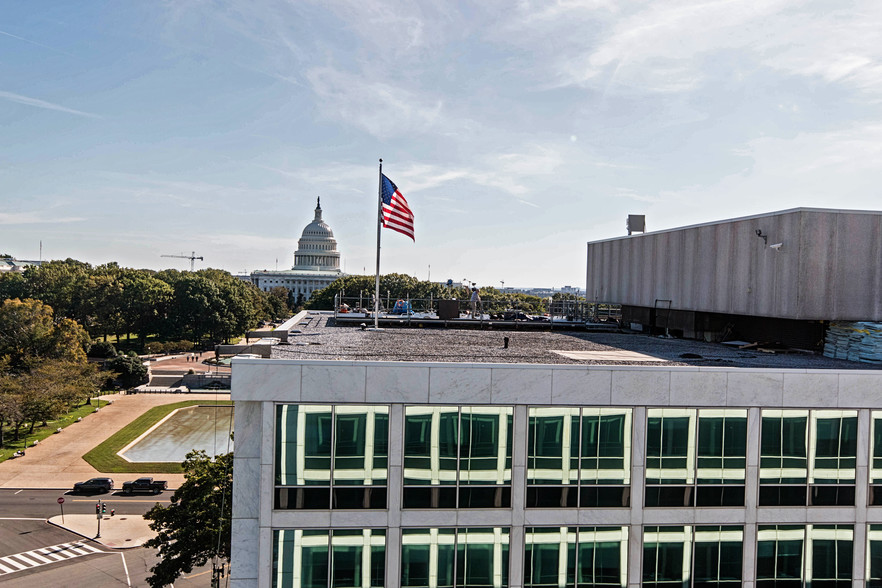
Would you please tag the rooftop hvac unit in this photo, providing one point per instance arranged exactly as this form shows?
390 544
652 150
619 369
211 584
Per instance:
636 223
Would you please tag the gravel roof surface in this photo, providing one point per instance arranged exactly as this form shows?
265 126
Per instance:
320 340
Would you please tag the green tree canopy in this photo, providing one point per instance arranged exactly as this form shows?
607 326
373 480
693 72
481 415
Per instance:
208 306
195 528
29 334
397 286
130 370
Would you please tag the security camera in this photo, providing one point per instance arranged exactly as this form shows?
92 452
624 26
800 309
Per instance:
776 246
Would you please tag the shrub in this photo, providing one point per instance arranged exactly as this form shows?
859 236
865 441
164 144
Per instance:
130 369
102 349
154 347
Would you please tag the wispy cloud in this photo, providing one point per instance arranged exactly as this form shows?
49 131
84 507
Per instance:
676 46
7 34
382 109
37 103
34 218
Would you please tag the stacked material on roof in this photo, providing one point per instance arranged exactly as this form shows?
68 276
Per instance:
854 341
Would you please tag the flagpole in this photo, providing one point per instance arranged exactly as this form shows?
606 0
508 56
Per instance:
379 226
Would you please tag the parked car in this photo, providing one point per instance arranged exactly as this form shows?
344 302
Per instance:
102 485
144 485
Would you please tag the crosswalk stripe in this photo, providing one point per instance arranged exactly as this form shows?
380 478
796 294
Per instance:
29 562
14 563
47 553
38 557
44 556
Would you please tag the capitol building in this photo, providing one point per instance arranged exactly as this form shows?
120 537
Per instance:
316 262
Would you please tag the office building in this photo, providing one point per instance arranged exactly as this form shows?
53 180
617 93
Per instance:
389 459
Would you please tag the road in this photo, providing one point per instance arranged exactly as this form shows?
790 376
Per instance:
45 555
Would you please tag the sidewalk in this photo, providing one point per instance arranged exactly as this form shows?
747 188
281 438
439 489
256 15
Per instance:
57 461
117 532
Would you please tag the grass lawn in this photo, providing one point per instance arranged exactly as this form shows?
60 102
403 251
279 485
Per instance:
104 457
41 433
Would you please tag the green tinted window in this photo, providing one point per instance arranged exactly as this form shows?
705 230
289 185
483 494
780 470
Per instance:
472 557
717 558
326 559
664 549
780 552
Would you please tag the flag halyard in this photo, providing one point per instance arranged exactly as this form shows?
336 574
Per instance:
397 215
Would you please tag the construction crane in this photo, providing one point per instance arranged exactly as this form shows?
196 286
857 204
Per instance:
192 257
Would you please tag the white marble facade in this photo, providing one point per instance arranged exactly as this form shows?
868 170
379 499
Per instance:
258 385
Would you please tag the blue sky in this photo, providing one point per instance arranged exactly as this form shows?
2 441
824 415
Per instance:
518 131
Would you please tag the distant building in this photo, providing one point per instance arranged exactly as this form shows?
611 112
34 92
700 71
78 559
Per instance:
8 264
778 276
316 262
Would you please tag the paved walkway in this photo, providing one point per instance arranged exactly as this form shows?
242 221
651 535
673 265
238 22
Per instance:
57 461
118 532
179 363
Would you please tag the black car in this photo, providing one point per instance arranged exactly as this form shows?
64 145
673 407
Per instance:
102 485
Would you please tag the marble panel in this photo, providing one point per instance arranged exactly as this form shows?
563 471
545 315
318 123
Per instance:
824 515
520 385
782 515
393 557
719 516
268 433
604 516
698 388
397 384
669 516
359 518
810 390
267 490
638 438
551 517
333 383
264 577
519 448
428 518
860 390
483 518
394 496
246 486
301 519
581 386
459 385
754 418
748 388
647 387
396 439
245 546
265 380
249 421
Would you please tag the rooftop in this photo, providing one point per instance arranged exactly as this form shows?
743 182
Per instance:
317 339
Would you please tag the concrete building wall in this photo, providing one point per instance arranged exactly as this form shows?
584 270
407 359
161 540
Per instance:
827 267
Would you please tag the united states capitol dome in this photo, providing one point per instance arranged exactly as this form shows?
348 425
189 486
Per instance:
317 248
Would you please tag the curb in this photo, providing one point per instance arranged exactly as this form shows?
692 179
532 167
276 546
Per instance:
93 539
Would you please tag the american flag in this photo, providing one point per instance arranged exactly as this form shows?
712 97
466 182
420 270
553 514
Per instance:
396 213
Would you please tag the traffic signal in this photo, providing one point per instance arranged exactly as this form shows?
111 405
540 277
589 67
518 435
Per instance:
97 508
103 508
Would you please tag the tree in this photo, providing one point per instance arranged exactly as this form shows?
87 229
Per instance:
196 526
29 334
130 369
277 303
